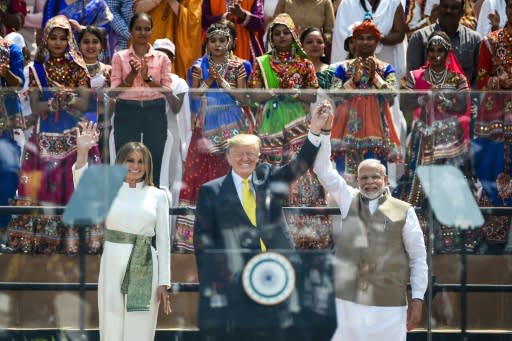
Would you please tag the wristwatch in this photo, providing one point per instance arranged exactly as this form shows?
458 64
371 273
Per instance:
149 79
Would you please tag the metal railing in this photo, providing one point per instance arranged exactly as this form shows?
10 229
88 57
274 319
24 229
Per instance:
463 287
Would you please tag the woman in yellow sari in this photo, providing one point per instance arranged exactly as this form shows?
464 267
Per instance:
179 21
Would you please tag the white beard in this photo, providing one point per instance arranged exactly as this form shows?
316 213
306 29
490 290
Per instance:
371 196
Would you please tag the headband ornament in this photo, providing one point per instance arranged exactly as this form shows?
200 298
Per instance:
219 32
439 41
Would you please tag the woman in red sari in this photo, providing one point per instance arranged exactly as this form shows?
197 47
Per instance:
493 130
440 132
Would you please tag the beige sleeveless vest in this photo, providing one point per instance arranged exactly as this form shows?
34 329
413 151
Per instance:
371 266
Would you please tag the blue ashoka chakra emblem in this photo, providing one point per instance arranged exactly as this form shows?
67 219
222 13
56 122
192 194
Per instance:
268 278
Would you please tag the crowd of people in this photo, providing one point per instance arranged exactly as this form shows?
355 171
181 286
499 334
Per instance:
170 86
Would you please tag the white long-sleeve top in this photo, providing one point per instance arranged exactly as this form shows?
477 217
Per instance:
412 235
483 25
350 12
143 210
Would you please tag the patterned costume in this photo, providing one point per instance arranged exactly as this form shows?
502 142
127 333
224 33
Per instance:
46 176
440 135
11 118
493 130
281 125
325 77
218 117
363 126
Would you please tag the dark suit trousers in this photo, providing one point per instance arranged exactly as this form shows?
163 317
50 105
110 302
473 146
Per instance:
133 118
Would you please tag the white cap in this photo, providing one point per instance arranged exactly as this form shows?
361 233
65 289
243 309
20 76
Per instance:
165 44
16 39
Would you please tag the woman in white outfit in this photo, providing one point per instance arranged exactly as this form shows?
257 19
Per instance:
134 277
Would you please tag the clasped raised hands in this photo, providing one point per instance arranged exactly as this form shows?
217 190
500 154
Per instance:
213 75
322 117
361 65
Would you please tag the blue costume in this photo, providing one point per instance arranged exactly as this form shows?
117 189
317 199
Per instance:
10 118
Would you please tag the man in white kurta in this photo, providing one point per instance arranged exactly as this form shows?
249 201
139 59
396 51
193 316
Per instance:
350 12
493 8
371 295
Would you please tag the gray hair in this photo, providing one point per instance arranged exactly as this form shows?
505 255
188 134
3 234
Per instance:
371 163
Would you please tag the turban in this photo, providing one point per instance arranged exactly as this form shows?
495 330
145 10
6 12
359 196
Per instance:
367 27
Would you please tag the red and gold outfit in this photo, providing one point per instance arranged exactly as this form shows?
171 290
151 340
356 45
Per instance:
493 130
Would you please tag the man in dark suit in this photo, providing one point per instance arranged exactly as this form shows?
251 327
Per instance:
222 225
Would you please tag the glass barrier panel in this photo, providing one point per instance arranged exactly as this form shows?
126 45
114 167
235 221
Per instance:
428 219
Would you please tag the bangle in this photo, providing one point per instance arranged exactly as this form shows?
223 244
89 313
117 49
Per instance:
204 85
314 133
325 130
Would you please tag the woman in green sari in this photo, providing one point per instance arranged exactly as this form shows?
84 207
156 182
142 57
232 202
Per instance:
285 73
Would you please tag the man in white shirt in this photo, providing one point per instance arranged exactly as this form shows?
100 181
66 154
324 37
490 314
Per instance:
379 249
492 16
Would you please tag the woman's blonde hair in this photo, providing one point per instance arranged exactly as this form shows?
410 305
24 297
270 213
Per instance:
130 147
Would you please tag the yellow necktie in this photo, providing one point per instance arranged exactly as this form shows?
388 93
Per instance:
249 204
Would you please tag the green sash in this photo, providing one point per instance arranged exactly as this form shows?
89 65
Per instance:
139 271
